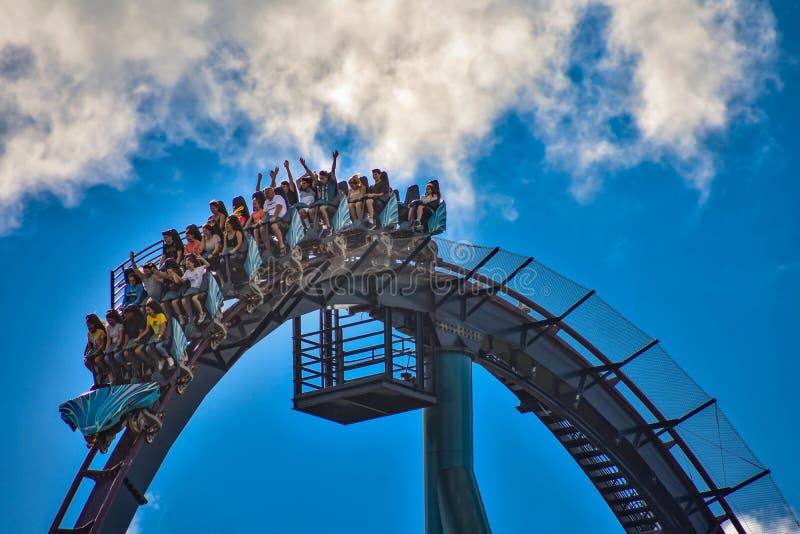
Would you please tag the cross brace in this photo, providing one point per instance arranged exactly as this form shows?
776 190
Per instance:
713 495
461 281
604 371
659 427
495 287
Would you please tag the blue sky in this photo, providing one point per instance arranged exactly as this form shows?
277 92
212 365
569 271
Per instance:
683 217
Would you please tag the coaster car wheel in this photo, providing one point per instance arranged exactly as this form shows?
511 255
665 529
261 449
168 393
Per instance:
253 298
337 252
383 251
302 250
356 238
336 247
293 271
339 243
105 439
293 266
186 376
219 334
269 266
152 425
133 420
426 260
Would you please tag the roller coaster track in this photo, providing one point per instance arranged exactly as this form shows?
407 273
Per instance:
522 323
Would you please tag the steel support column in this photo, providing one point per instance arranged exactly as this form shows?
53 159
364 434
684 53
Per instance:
453 502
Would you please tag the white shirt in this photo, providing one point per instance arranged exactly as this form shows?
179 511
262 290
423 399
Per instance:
211 243
195 276
270 205
114 332
306 197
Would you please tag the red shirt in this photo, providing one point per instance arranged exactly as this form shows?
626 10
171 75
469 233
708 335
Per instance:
194 247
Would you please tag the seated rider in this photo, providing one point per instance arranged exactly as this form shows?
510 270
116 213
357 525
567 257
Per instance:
234 251
277 215
134 327
172 247
134 292
356 197
212 244
195 269
219 213
326 188
152 278
151 346
377 195
173 287
257 221
194 240
94 353
114 331
240 209
306 195
421 210
287 189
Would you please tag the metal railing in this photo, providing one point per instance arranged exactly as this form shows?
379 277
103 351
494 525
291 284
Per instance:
351 348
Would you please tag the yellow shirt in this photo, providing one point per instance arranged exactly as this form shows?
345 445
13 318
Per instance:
97 337
157 322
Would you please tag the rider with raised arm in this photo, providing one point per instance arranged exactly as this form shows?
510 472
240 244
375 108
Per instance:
287 188
152 278
306 195
277 213
325 185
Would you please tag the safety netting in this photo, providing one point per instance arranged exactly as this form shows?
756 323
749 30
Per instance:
714 455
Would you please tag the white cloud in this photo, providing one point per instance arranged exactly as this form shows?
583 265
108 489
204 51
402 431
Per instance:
136 525
753 525
153 504
419 83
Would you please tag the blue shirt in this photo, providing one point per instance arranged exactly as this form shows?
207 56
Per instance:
134 294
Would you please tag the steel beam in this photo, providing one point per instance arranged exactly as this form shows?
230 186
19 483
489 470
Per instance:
453 502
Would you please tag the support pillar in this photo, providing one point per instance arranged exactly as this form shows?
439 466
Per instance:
453 502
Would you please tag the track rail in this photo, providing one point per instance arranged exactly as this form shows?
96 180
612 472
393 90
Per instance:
636 473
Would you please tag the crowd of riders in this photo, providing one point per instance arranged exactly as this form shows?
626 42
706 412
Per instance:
132 341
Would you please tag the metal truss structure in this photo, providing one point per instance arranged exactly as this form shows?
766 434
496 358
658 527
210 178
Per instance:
656 446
